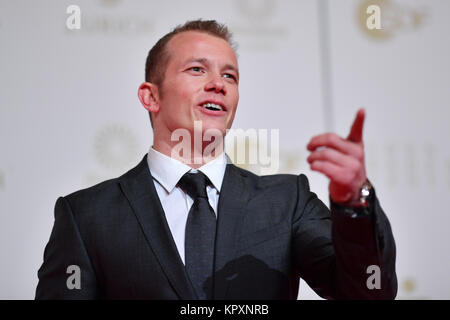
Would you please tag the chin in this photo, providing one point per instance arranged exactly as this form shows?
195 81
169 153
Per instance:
214 128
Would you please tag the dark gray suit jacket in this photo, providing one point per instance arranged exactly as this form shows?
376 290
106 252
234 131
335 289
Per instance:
271 230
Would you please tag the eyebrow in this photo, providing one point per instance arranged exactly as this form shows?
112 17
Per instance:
206 61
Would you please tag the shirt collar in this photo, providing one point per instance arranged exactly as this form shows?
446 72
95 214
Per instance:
168 171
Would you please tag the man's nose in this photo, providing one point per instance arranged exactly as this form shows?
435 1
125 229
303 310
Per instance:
216 83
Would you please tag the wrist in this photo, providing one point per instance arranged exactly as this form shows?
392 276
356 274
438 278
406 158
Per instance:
363 196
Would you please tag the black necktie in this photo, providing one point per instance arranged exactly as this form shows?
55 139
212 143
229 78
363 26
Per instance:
200 235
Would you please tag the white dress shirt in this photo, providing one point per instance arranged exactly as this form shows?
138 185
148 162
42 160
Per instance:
166 173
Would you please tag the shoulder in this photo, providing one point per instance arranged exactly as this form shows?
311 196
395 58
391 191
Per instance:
106 195
277 183
96 193
276 197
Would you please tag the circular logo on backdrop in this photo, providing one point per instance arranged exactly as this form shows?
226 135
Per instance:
257 11
255 27
409 285
115 146
408 290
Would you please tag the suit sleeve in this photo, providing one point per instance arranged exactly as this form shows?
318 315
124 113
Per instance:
66 261
343 256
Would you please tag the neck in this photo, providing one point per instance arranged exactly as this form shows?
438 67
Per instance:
192 153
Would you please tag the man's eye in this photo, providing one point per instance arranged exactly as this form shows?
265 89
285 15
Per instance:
196 69
227 75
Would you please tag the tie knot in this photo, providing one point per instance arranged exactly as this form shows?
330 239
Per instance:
194 184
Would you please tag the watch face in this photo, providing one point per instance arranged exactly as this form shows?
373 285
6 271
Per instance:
365 192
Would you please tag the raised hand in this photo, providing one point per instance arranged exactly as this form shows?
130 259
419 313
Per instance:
341 160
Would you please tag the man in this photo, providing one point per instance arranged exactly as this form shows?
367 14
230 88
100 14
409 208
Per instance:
185 224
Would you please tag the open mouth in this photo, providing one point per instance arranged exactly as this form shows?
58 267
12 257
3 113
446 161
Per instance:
213 108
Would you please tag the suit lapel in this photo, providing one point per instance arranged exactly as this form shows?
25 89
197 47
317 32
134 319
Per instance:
233 199
138 187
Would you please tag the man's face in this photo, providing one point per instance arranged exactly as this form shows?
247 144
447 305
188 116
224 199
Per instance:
201 76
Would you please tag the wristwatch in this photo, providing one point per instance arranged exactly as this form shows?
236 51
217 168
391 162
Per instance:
360 207
365 194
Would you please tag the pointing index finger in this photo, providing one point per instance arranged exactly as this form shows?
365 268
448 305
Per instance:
356 131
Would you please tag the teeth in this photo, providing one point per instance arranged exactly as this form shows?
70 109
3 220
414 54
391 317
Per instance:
212 106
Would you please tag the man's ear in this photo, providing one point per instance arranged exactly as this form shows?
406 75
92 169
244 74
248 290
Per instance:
149 96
